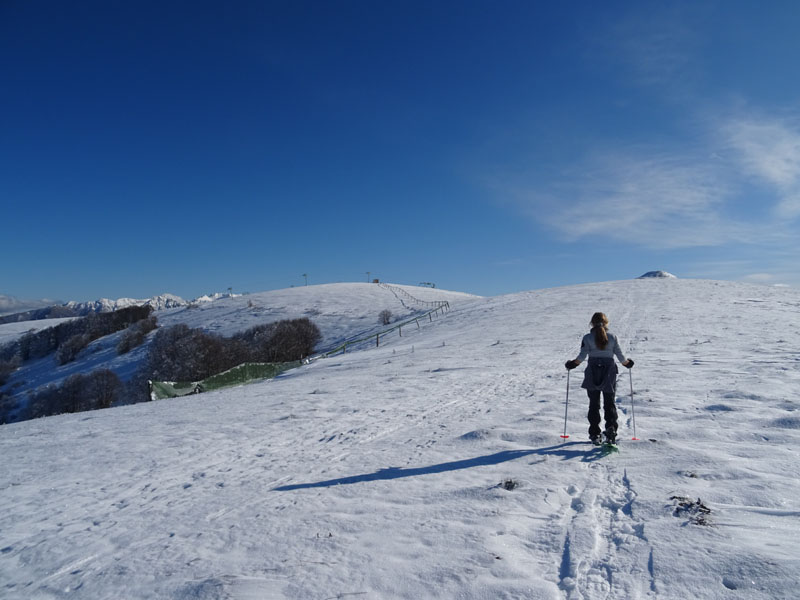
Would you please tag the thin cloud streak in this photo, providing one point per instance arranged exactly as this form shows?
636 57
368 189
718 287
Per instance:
658 47
670 200
659 51
769 150
659 203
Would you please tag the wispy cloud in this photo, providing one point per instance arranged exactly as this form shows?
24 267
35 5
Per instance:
710 175
654 46
659 50
659 202
10 304
737 182
656 201
769 150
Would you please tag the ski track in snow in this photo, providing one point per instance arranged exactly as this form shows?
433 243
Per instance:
376 474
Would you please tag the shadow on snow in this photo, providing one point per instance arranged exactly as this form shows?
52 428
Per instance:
564 450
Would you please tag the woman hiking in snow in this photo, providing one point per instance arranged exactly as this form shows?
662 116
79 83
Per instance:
600 375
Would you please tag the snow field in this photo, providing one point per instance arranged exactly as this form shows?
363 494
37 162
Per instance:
341 311
377 474
12 331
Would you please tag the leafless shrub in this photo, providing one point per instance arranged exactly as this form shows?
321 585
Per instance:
77 393
96 325
7 367
179 353
135 334
69 350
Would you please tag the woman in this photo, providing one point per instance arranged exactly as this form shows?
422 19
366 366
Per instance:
600 376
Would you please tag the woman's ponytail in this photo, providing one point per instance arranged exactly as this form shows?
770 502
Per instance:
600 330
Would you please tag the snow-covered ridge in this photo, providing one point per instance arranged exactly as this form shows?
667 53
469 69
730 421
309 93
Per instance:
105 305
657 275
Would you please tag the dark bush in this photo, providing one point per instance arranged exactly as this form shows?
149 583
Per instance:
7 367
385 317
179 353
68 351
282 341
257 342
135 334
77 393
293 340
136 390
95 325
103 387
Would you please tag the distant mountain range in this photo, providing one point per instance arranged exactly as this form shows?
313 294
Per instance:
80 309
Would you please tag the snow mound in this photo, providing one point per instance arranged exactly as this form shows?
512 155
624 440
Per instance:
477 435
213 297
657 275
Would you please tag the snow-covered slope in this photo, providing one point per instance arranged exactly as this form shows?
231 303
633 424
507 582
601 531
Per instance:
341 311
12 331
377 474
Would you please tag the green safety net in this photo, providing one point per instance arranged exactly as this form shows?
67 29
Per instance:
244 373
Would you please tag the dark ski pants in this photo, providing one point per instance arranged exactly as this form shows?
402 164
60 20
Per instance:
609 410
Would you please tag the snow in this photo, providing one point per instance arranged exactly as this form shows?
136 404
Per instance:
341 311
215 296
377 474
105 305
657 274
10 332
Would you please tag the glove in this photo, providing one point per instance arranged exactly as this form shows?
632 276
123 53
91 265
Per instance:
571 364
630 363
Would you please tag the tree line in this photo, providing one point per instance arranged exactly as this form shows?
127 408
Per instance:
180 353
176 353
69 338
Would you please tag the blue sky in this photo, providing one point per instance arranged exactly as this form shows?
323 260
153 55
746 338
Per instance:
488 147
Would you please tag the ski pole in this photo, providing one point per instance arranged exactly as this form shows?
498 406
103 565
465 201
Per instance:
566 408
633 411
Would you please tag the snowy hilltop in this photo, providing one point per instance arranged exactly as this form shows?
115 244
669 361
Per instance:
431 466
657 275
